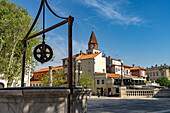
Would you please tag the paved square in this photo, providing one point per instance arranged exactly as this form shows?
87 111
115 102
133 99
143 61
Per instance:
117 105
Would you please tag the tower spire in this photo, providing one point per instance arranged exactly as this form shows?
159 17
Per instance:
93 38
93 44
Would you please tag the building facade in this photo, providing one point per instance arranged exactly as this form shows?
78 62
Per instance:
38 75
155 72
105 71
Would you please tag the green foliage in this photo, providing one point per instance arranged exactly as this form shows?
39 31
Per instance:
14 25
57 80
86 81
163 81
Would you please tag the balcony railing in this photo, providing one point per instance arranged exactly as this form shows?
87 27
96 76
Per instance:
146 93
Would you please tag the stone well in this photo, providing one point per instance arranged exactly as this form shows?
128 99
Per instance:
41 100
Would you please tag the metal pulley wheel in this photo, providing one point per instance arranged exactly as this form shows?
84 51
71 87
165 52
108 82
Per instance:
43 53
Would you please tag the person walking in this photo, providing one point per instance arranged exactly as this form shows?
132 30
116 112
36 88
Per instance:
98 93
110 94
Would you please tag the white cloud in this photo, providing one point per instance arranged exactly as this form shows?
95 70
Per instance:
113 11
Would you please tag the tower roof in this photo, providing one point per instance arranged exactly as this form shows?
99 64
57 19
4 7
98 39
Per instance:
93 38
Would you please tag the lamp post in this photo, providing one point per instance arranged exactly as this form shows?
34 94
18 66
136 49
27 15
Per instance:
79 62
121 73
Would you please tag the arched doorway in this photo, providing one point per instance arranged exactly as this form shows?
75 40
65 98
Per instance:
1 85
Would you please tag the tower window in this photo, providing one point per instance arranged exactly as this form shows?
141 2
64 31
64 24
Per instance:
98 82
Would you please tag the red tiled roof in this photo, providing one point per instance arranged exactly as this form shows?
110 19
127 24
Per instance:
126 66
88 56
36 81
74 56
99 73
113 59
113 75
47 69
137 68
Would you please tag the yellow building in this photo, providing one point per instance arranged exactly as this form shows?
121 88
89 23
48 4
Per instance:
153 73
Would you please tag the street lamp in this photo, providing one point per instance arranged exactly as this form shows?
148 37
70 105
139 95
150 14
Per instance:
121 73
79 62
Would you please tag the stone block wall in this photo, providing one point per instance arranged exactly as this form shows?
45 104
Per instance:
43 100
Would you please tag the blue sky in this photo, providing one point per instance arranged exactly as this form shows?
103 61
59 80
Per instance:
136 31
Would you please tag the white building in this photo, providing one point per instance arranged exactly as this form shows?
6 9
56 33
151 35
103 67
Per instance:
16 81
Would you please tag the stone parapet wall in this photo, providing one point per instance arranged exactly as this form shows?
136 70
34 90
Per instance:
138 93
41 100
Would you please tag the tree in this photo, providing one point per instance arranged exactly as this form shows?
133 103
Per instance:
86 81
14 24
58 79
163 81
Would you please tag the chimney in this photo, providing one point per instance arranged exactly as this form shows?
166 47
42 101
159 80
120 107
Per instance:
81 52
156 65
133 65
164 64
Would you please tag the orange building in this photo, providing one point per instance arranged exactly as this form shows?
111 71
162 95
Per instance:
138 71
37 75
127 70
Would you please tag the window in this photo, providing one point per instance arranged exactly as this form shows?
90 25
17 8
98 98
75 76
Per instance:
42 75
88 61
102 81
116 69
37 75
153 73
150 74
103 70
65 62
39 84
147 74
157 74
162 73
98 82
127 72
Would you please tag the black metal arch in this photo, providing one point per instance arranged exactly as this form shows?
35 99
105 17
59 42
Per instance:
68 20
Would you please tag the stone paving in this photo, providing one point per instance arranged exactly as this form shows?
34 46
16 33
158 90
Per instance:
117 105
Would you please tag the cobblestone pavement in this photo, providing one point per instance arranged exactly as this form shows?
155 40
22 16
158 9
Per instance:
117 105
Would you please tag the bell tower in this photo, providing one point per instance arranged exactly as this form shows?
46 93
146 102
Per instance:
93 45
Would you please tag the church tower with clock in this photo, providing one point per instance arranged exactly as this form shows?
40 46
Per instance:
93 45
